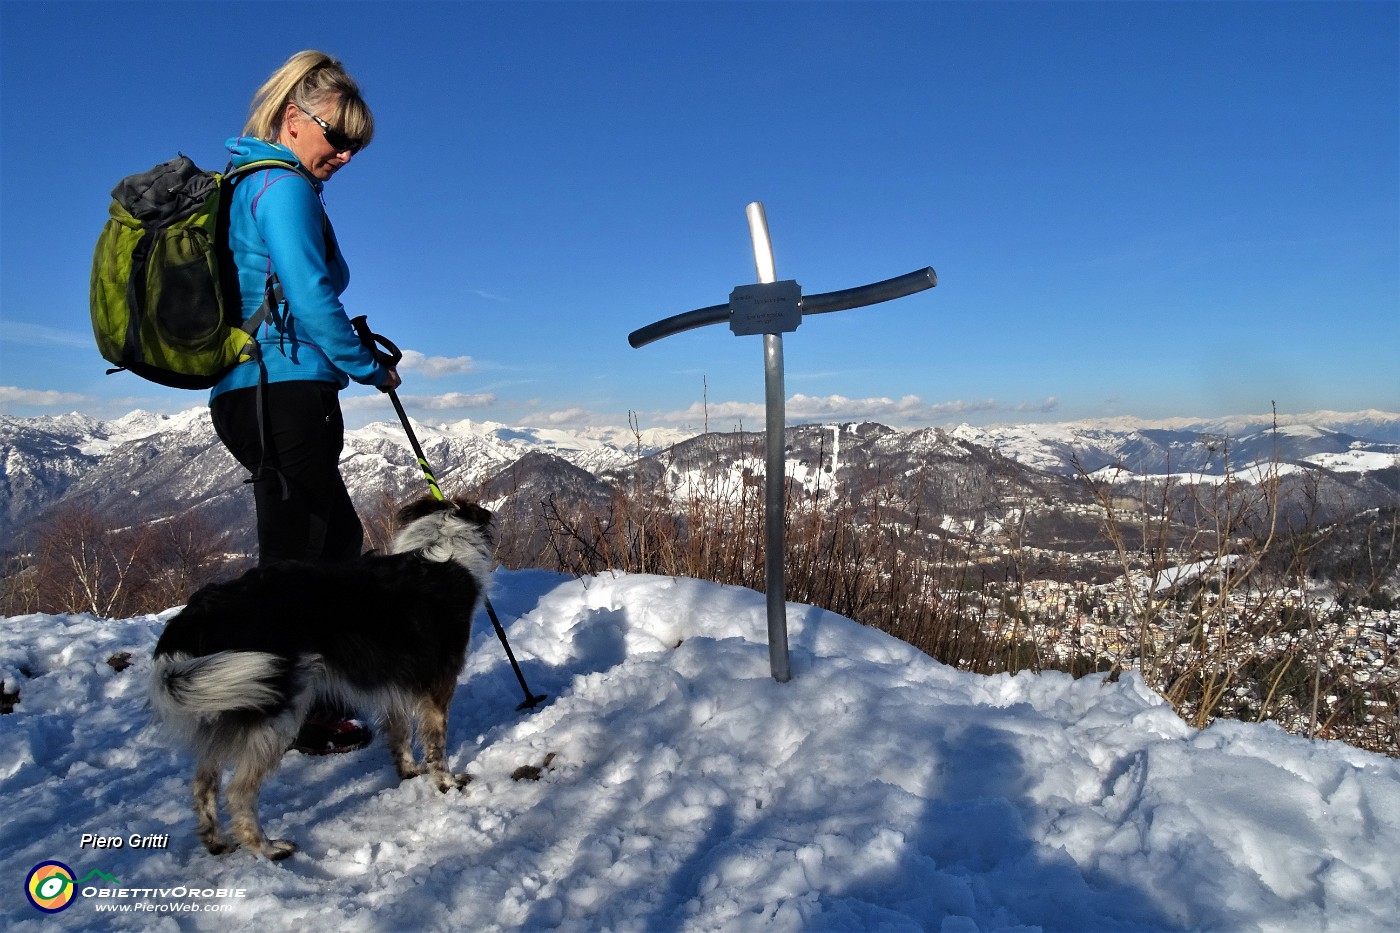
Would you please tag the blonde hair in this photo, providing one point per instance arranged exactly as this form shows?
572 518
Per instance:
310 79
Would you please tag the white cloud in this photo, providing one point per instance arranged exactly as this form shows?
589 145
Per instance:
444 402
435 366
372 403
571 417
449 401
721 416
1049 404
842 408
41 398
908 410
39 335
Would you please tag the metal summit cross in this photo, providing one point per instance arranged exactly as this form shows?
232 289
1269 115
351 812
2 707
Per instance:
773 308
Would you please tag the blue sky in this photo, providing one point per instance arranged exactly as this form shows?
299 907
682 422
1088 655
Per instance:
1149 209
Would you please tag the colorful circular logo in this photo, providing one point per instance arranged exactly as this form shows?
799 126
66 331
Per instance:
50 887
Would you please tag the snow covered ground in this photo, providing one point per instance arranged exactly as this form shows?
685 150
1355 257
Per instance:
1355 461
878 790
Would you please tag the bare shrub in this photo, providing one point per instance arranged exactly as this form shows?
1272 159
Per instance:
709 524
78 564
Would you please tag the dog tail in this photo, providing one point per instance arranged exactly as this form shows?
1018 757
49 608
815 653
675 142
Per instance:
228 681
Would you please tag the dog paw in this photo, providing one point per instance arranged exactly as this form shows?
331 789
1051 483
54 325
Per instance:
408 772
446 782
218 845
277 849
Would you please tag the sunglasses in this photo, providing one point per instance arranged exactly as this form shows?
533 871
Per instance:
338 140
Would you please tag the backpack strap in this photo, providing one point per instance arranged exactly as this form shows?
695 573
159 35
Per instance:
272 298
272 295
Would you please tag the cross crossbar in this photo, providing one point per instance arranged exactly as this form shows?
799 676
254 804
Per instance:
843 300
746 319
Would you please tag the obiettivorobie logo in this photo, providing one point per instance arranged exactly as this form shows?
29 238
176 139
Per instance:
51 886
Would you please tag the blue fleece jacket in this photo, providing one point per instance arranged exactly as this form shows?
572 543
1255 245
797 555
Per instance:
277 223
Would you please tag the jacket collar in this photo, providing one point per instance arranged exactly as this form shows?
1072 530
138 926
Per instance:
246 149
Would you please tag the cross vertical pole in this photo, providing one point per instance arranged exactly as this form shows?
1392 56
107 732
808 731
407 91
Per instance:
773 308
775 473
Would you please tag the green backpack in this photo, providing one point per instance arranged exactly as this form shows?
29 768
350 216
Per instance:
164 297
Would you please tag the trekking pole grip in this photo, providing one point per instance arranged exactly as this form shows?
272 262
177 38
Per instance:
384 349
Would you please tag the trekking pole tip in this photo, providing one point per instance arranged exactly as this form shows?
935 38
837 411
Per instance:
532 701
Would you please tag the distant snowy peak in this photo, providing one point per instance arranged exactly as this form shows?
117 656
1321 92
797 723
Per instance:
478 449
1186 445
589 443
138 425
92 436
1371 424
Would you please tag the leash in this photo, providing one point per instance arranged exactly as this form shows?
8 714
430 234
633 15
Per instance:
392 355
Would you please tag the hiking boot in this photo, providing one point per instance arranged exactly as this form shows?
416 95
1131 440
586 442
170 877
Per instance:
328 737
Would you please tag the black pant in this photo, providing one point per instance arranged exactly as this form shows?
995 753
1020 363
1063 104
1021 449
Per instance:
311 517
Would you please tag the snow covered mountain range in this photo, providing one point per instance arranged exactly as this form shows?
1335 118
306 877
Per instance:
144 466
1356 442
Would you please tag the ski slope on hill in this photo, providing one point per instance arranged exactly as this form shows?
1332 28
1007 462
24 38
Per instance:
878 790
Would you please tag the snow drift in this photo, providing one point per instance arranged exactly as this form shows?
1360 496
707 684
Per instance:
878 790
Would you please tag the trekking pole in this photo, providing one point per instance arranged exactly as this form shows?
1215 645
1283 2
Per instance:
393 354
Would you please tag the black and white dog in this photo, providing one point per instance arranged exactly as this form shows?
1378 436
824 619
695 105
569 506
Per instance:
235 672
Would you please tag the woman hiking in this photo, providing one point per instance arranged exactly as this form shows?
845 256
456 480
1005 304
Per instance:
281 417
